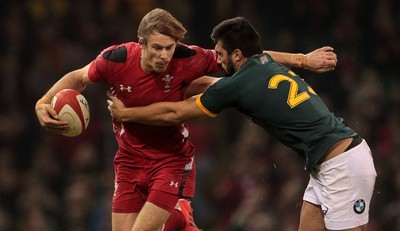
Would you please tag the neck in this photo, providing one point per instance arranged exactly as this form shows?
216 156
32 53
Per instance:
143 64
240 63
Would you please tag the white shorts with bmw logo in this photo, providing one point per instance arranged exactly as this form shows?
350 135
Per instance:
343 186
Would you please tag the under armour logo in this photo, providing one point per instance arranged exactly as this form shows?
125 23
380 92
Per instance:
122 88
174 184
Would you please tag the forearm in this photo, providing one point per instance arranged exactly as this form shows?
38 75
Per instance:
72 80
320 60
160 114
297 60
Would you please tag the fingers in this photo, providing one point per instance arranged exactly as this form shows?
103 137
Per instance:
54 125
49 117
329 59
322 70
326 48
58 130
329 63
109 103
45 110
51 111
49 122
111 95
329 54
322 59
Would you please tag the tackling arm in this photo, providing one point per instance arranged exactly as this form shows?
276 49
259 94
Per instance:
161 113
320 60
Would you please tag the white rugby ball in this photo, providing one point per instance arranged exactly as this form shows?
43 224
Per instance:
72 106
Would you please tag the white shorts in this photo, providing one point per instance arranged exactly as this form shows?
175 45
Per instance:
343 186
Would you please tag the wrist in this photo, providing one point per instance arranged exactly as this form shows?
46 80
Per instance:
41 101
299 60
122 115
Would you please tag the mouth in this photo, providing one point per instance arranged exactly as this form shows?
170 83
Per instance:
161 64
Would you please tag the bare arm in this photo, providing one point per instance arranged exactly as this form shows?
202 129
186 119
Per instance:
46 114
161 113
320 60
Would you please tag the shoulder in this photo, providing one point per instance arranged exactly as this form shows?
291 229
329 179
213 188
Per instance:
187 51
195 61
183 51
119 53
114 59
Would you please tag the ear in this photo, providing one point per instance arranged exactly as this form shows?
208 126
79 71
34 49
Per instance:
237 55
141 40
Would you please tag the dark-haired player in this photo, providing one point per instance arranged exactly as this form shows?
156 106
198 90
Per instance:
342 172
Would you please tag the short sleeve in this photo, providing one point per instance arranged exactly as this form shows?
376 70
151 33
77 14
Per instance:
107 63
216 98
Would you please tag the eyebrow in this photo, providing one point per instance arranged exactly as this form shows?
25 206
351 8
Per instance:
168 46
218 52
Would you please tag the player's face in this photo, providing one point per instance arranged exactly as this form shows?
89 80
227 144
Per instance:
157 52
224 59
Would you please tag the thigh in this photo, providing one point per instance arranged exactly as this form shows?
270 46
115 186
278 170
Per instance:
123 221
342 189
127 198
150 218
311 217
174 177
347 187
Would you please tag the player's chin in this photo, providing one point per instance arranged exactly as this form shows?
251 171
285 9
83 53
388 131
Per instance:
160 67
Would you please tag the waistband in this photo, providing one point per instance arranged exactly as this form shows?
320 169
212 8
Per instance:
356 141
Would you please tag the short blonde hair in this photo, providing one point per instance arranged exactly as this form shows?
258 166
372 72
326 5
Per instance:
163 22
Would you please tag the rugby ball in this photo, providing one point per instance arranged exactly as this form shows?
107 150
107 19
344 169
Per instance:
72 106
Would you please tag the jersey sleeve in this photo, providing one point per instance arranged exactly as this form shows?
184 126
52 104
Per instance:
208 60
107 63
216 98
201 62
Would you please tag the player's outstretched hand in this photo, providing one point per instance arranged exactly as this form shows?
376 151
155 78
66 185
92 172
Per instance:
48 119
321 60
115 106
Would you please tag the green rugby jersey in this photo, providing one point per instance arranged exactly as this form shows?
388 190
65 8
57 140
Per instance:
282 103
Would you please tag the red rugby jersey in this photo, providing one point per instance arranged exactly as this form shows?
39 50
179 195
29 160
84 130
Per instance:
119 66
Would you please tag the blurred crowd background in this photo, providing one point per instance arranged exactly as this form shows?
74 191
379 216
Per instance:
246 180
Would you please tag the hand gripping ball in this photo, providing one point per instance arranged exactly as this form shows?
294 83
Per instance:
72 106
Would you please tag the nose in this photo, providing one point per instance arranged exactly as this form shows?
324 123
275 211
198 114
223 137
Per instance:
219 60
164 54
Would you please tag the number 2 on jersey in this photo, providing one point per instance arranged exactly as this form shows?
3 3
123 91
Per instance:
294 96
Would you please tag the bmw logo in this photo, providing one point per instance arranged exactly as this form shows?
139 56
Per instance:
359 206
